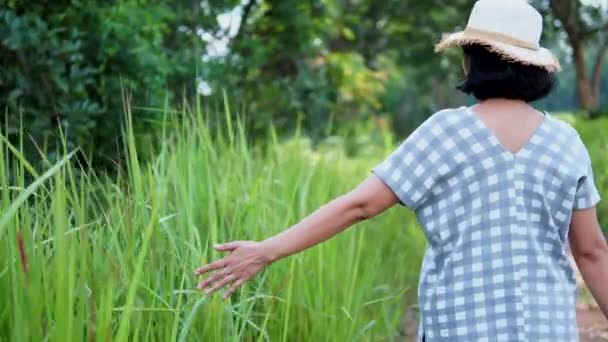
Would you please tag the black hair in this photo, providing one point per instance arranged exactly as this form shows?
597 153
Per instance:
492 76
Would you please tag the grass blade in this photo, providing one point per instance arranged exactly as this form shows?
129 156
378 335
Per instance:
25 194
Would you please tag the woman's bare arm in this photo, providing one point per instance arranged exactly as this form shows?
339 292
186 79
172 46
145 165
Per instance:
590 251
247 258
366 201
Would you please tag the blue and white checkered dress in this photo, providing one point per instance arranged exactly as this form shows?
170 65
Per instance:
496 222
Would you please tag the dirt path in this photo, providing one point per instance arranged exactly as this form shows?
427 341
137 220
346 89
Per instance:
592 325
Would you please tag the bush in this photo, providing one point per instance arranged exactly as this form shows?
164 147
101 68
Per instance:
65 64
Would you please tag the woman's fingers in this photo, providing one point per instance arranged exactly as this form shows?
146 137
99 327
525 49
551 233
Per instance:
221 283
228 246
224 247
245 261
212 279
216 265
233 287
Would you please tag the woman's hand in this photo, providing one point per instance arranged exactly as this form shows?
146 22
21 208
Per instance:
246 259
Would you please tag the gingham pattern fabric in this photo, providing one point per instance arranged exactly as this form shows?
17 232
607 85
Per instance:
495 267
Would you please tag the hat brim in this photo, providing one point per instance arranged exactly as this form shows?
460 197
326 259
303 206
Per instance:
539 57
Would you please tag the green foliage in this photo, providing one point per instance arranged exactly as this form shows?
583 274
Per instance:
65 65
100 258
319 66
325 65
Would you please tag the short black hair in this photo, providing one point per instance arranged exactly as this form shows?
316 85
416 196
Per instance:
492 76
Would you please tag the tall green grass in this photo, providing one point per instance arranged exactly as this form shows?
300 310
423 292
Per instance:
100 258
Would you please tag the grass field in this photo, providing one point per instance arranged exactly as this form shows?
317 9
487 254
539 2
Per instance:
98 258
102 258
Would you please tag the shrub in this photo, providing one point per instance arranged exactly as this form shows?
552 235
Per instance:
64 66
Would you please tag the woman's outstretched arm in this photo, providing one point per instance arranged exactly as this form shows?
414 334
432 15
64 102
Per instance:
247 258
590 251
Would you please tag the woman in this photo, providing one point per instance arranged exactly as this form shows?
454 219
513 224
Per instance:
499 189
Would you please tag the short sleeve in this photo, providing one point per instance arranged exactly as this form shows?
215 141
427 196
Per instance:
587 195
415 167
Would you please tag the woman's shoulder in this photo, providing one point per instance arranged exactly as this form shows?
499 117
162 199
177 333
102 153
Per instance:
562 136
455 112
447 116
451 116
563 129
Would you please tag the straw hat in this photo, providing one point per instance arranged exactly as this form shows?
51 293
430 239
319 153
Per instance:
510 28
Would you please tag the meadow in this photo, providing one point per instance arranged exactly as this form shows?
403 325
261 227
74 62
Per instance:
99 258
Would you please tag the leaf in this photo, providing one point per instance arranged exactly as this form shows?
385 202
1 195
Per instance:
25 194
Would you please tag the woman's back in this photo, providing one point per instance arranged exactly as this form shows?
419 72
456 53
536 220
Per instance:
512 122
497 224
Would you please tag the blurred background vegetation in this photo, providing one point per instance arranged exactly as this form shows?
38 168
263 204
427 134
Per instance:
327 67
344 71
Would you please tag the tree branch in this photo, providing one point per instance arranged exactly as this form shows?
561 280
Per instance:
246 13
597 29
567 13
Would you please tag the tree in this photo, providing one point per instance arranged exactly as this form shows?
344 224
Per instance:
584 26
65 63
313 59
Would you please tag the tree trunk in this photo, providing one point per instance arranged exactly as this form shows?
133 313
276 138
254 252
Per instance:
596 77
588 89
586 97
